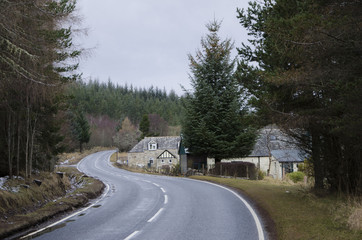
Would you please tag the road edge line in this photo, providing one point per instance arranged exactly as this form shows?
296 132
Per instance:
248 206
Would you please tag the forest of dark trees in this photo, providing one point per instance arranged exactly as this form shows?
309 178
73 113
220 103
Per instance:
118 102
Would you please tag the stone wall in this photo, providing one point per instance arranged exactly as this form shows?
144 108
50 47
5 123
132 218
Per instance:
142 159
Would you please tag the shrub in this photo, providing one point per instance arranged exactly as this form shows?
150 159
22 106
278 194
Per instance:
296 176
261 175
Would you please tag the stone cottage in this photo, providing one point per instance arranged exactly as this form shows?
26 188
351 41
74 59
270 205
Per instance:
155 152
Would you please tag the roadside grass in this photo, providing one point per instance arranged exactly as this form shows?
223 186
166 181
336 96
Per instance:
31 204
297 212
121 156
75 157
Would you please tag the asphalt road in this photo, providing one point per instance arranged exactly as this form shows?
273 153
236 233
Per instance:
138 206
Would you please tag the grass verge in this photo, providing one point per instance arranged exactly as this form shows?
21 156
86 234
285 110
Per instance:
296 212
34 204
75 157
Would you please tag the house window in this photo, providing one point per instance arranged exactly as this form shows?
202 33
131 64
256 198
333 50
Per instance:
170 161
152 146
162 161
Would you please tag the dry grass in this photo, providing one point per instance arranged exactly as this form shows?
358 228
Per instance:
297 213
121 156
75 157
30 206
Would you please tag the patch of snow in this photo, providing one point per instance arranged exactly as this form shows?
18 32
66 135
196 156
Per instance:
67 161
10 189
2 182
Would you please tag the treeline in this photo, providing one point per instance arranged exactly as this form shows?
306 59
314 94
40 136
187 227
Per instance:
119 102
36 56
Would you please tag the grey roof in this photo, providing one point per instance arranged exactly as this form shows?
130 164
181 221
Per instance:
163 143
288 155
271 137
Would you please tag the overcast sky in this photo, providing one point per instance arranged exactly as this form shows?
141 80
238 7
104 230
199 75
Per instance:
146 42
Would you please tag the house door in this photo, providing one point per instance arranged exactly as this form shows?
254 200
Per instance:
287 168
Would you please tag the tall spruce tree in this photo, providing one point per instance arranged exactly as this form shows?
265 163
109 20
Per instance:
213 111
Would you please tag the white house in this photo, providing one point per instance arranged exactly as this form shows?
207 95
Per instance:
273 148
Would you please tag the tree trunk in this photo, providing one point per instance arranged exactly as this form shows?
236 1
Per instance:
317 162
9 141
18 151
27 139
32 148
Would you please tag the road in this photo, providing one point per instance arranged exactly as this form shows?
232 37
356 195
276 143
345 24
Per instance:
139 206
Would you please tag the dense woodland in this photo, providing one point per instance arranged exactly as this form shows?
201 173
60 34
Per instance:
118 102
37 60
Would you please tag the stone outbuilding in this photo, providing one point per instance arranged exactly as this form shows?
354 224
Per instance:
155 152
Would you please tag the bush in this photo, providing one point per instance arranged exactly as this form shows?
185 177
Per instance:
261 175
296 176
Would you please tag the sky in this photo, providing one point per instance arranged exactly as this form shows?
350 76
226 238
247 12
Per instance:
146 42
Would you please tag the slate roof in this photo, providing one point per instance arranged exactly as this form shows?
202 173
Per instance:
288 155
163 143
271 135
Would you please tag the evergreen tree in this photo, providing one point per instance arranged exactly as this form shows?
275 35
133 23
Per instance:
81 129
213 112
145 126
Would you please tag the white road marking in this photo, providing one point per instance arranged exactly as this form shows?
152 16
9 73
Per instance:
70 216
154 217
251 210
156 184
132 235
163 190
166 200
146 181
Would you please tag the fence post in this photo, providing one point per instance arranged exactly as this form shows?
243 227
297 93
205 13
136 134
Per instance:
247 171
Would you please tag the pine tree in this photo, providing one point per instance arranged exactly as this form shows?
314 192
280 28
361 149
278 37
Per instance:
145 126
213 112
81 129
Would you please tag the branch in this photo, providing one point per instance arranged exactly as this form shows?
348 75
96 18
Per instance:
305 43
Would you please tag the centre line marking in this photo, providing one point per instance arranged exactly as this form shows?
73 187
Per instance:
153 218
156 184
163 190
132 235
166 200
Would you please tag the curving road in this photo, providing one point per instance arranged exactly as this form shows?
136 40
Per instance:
137 206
